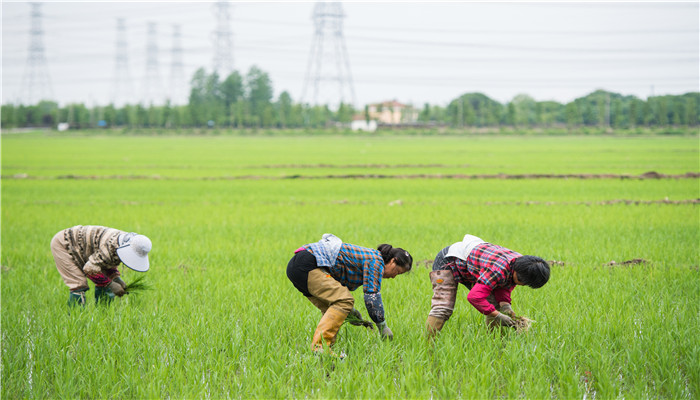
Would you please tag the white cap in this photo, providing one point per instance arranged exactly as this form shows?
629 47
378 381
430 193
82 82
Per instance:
133 251
462 249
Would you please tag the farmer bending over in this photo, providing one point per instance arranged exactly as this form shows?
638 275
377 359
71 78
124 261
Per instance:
95 252
326 271
490 272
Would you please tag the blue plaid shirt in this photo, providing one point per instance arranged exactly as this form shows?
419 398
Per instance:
357 266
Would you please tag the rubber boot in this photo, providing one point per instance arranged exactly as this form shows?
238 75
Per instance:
103 295
433 325
327 329
77 298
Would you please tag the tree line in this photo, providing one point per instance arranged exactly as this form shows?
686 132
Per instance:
246 101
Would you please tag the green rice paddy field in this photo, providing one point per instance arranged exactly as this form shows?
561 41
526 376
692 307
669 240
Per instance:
226 213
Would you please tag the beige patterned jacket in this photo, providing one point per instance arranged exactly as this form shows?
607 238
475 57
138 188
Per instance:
93 248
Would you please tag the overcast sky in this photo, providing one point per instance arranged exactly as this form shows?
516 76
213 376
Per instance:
414 52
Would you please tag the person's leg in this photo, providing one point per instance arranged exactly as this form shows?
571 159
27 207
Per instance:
320 304
443 301
327 291
72 275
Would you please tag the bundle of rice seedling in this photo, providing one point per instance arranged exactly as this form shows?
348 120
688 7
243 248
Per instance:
356 320
137 285
522 324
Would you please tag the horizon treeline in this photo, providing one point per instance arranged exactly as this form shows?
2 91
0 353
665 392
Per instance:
246 101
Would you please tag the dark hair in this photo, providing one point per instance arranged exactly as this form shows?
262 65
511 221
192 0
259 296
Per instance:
403 259
532 271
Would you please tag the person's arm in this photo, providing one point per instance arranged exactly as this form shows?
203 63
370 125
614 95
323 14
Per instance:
99 279
371 285
114 275
93 268
372 280
477 298
375 307
502 294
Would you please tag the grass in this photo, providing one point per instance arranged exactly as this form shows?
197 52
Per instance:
222 320
196 157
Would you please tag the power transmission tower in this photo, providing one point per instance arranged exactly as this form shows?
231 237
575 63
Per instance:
223 40
327 68
152 89
36 83
122 88
177 88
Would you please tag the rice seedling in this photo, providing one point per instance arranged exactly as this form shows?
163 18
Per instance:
137 285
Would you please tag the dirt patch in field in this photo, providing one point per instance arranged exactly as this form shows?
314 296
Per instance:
425 264
646 175
590 203
379 166
628 262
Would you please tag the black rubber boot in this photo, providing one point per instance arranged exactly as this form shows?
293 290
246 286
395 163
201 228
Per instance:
103 295
77 298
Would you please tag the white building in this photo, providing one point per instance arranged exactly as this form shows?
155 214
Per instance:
360 123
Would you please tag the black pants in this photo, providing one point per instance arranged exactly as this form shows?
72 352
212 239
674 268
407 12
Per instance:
298 270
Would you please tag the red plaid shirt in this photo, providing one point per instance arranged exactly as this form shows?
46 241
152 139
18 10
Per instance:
489 265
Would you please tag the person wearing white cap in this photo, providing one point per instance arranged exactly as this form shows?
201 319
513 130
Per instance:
490 272
95 252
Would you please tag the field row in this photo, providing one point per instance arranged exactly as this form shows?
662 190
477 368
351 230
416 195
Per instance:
48 155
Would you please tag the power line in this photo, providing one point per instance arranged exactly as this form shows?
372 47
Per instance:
497 46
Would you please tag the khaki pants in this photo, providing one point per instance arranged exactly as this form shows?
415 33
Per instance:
72 275
327 293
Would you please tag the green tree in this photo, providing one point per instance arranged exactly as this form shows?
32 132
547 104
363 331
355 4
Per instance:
8 116
206 98
232 91
424 115
345 113
691 113
259 90
511 115
617 119
284 109
648 112
551 112
573 115
109 115
663 112
525 110
634 112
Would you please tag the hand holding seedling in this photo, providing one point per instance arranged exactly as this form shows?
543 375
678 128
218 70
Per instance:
355 318
116 288
505 308
503 320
